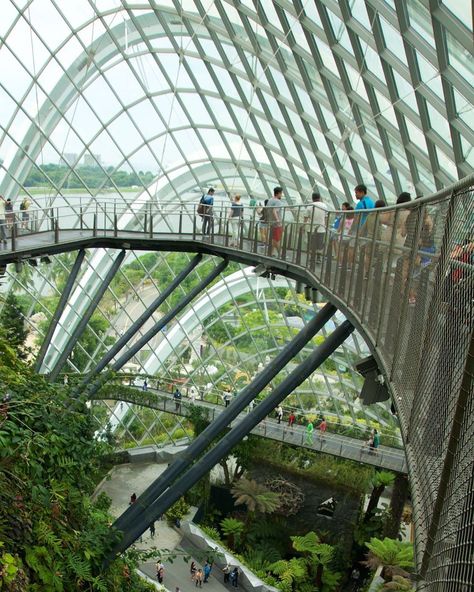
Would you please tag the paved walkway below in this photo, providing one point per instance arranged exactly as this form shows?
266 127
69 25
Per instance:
135 478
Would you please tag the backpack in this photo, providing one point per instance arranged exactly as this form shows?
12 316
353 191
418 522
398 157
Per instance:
200 208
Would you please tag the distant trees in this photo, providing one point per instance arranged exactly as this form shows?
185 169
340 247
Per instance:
12 322
85 177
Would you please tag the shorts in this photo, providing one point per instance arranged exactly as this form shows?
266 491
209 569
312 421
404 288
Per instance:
277 232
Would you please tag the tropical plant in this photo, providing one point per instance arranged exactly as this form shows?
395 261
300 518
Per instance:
12 321
380 481
232 529
51 535
177 511
242 457
400 492
311 571
255 496
396 557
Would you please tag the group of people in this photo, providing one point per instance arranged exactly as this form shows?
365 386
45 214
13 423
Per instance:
201 575
7 216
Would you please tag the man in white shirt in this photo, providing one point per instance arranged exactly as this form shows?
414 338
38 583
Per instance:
3 232
316 216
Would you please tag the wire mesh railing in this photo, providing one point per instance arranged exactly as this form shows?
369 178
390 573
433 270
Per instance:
406 277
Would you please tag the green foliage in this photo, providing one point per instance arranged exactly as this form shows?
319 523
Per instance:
199 418
177 511
390 553
84 177
232 529
52 538
12 321
255 496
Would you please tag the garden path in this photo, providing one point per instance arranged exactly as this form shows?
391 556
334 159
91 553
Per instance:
131 478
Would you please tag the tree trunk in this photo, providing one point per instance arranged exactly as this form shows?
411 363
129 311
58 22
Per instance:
373 502
227 481
397 503
319 576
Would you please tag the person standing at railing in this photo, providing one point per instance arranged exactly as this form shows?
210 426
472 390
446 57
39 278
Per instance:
316 216
275 219
358 228
177 400
207 203
322 428
9 215
25 215
3 222
279 413
309 433
236 212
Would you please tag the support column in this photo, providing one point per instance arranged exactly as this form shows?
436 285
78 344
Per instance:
149 514
79 330
198 445
59 309
139 323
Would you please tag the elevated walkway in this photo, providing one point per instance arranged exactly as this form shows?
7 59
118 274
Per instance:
334 444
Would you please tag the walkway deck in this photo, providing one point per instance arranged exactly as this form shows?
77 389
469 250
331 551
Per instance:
334 444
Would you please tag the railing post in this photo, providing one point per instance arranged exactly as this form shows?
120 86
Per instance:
81 219
145 223
14 231
94 226
56 231
115 225
194 223
151 225
180 223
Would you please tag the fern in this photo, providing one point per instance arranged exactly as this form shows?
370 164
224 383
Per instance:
79 566
46 535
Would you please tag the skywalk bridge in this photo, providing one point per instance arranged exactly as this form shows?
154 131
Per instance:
403 277
339 445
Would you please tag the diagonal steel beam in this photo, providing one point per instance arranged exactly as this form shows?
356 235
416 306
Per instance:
59 309
79 330
150 513
198 445
136 347
118 345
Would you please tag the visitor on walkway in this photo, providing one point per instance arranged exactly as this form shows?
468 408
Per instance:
25 216
279 413
199 577
227 398
376 441
133 499
250 406
309 433
234 577
207 571
322 428
160 571
177 400
207 202
9 215
358 229
193 570
275 219
263 213
291 419
152 530
316 217
236 213
226 572
145 385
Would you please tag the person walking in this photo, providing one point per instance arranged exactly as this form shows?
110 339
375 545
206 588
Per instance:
207 571
152 530
207 202
9 215
322 428
133 499
309 433
177 400
25 215
199 578
3 222
234 577
316 217
227 399
193 570
236 213
226 572
376 440
145 385
275 219
279 413
291 419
